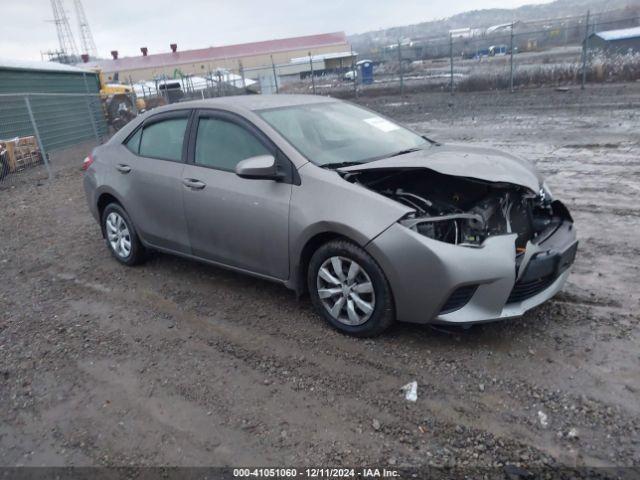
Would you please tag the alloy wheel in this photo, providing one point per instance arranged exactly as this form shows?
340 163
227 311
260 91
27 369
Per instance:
118 235
345 290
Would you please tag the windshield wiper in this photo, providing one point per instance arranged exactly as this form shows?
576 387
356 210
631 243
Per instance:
333 166
402 152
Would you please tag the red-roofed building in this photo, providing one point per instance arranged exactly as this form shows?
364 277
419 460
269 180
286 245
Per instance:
201 61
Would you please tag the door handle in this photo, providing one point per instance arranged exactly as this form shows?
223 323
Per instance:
122 168
193 184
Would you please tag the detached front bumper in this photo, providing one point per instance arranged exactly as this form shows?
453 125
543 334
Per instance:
436 282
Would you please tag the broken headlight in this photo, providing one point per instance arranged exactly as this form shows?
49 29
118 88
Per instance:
457 229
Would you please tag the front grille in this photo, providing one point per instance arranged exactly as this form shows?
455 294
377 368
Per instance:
524 290
459 298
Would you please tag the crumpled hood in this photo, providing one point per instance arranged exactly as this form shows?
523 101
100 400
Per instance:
463 161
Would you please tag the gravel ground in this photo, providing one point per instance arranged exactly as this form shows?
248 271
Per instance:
177 363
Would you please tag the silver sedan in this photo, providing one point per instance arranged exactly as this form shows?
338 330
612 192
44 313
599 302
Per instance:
376 222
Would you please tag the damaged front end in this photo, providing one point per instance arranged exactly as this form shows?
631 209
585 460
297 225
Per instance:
465 211
470 212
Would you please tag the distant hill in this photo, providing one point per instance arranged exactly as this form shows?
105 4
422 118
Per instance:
486 18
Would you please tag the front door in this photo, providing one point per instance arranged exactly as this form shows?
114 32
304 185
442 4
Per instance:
239 222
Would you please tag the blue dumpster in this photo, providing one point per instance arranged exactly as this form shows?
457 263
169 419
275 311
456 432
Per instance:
366 71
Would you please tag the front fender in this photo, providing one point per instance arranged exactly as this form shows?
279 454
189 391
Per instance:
326 203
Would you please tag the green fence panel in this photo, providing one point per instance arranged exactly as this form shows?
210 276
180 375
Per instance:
66 106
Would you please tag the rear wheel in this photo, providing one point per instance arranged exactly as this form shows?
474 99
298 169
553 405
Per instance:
349 289
121 237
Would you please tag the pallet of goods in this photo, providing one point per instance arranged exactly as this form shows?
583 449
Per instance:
20 153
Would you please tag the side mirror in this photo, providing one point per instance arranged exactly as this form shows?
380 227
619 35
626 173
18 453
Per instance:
261 167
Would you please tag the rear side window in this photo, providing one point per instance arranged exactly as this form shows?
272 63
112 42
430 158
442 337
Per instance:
133 143
222 144
163 139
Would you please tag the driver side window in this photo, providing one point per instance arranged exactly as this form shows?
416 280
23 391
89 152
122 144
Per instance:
222 144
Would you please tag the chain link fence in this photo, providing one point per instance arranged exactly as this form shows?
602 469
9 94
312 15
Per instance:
38 130
555 52
552 52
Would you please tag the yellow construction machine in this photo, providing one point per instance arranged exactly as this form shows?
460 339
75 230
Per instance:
118 102
121 104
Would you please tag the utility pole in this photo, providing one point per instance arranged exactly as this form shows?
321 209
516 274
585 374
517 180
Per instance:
585 48
400 66
275 77
313 81
511 61
451 61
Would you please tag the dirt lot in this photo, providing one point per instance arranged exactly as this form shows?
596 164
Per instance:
176 363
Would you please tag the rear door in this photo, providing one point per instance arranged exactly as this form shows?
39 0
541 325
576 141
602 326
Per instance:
239 222
149 179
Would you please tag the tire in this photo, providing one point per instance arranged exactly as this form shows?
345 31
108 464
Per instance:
367 286
119 232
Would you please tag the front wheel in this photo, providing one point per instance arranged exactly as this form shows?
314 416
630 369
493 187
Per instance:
349 289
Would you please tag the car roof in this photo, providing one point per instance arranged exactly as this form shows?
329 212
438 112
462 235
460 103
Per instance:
243 104
251 102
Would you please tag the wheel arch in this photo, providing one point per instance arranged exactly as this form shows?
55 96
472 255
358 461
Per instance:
383 314
103 199
312 242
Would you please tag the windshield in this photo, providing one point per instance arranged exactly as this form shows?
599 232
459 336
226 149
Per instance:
335 134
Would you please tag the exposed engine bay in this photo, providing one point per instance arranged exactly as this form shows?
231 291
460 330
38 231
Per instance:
465 211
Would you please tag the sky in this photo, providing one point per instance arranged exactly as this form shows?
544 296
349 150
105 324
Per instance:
127 25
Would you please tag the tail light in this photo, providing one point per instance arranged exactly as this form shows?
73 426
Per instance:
87 162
